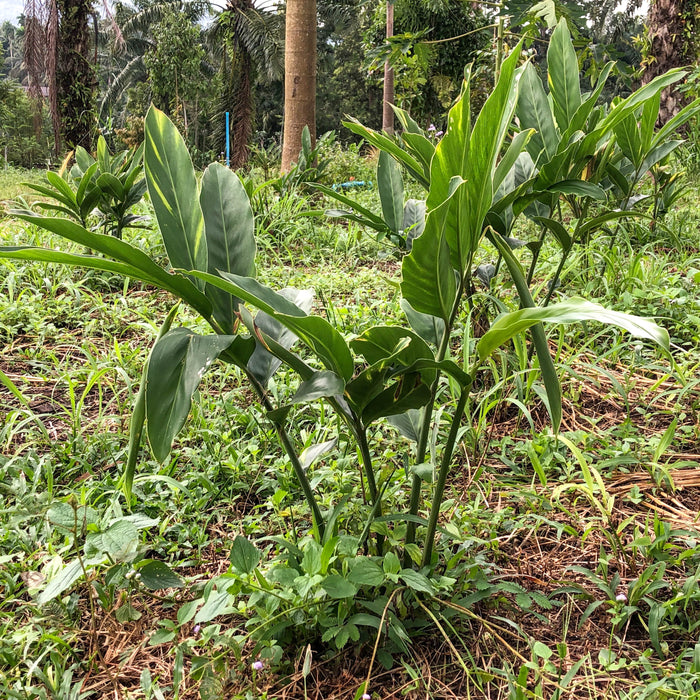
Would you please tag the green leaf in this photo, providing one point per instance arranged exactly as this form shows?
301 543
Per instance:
229 229
262 363
549 373
173 189
579 188
629 139
155 575
365 572
312 453
417 581
138 414
557 228
408 424
534 112
245 556
384 143
569 311
61 582
563 75
320 385
390 185
315 332
338 587
120 540
178 362
428 282
140 265
430 328
413 220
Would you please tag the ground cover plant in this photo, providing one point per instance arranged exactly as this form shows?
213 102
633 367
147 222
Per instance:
368 497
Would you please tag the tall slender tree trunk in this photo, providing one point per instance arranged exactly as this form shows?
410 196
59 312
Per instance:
387 111
672 25
299 77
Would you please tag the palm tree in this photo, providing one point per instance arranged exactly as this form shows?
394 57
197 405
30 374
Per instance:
243 40
671 28
299 77
57 50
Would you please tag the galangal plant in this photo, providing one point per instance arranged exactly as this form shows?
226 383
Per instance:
111 185
387 372
580 166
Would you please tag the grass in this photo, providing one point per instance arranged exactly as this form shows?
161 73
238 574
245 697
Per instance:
542 536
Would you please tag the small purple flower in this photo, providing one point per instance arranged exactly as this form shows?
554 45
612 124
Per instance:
258 665
621 598
196 629
366 696
439 133
430 128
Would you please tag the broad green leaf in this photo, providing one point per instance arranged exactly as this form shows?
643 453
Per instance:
262 363
108 183
657 154
511 156
452 153
408 424
120 540
557 228
563 75
229 229
629 105
312 453
430 328
245 556
384 143
320 385
338 587
549 373
315 332
675 122
413 220
428 281
390 185
62 186
629 139
569 311
61 582
173 189
408 393
417 581
579 119
647 123
176 366
138 414
534 112
142 265
219 602
579 188
365 572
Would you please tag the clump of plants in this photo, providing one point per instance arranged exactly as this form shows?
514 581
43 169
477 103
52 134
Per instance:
359 567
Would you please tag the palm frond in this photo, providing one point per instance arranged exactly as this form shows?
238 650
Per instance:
133 72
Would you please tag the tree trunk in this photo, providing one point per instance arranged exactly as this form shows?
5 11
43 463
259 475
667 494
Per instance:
669 47
75 74
387 111
299 77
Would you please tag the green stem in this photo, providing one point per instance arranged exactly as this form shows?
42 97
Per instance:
442 476
284 438
565 255
536 256
374 494
422 448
